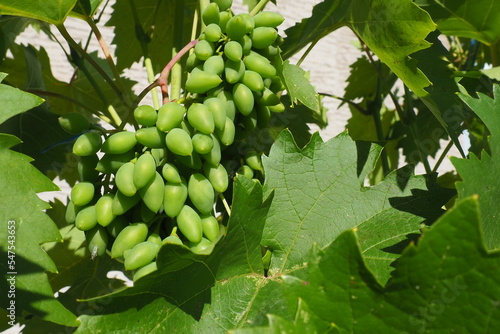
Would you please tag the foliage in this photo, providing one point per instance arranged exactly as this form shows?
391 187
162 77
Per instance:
313 235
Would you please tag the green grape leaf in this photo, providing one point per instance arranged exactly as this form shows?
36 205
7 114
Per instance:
20 207
319 193
51 11
85 8
392 29
10 28
166 24
15 101
298 86
432 286
466 18
480 176
205 294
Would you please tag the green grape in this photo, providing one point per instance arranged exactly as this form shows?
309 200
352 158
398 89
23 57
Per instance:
155 237
124 179
224 17
259 64
234 70
87 168
175 196
82 193
204 49
217 176
97 240
119 142
87 144
192 161
173 240
246 171
152 193
268 19
170 115
200 247
116 226
86 218
123 203
270 52
218 109
145 115
187 127
144 170
73 123
200 118
140 255
214 156
202 143
210 227
252 159
236 27
243 98
213 32
171 173
268 98
179 142
71 212
226 136
249 22
200 81
233 50
128 238
104 210
151 137
223 4
246 44
227 97
276 84
262 37
214 64
201 193
280 107
210 14
253 80
189 223
146 270
110 163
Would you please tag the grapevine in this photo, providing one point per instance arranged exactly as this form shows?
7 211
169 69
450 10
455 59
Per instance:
167 181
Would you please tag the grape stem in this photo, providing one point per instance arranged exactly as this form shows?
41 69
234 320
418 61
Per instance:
163 78
226 205
258 7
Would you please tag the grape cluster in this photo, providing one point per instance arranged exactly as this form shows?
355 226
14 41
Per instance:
160 183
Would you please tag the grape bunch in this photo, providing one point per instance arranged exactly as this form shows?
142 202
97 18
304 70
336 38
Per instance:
162 183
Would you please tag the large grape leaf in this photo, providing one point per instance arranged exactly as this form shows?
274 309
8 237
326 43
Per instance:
481 176
166 24
20 182
201 294
392 29
319 193
15 101
51 11
476 19
85 8
447 283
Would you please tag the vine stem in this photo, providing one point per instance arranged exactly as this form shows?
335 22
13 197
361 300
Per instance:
91 61
258 7
163 78
443 155
105 50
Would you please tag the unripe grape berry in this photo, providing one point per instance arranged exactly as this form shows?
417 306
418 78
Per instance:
179 142
218 109
212 32
140 255
234 70
223 4
214 64
202 143
189 224
217 176
201 247
246 44
86 218
104 210
252 159
87 144
214 156
151 137
253 80
82 193
259 64
224 17
145 115
122 203
124 179
227 97
243 98
144 170
226 136
152 193
201 193
170 115
73 123
204 49
200 81
192 161
246 171
128 238
175 195
119 142
268 19
97 240
210 14
170 173
262 37
233 50
145 270
87 168
200 118
110 163
236 27
210 227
